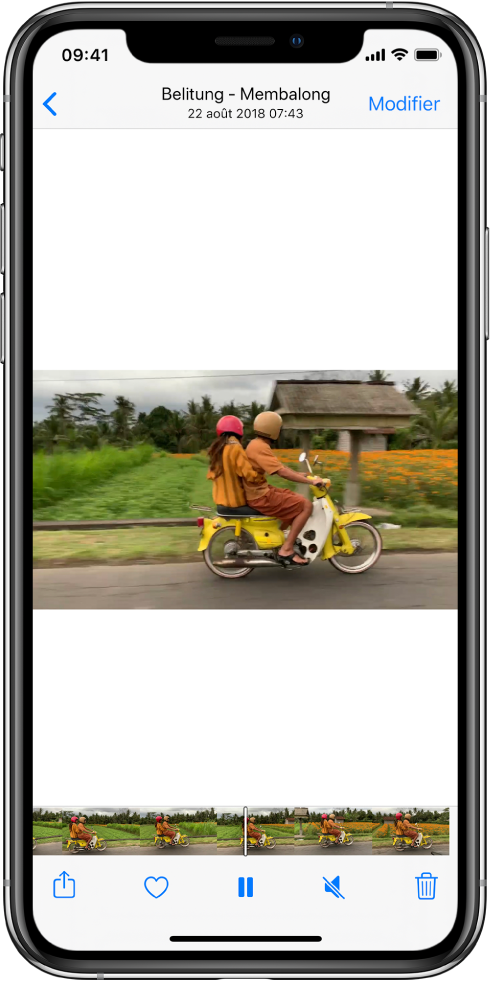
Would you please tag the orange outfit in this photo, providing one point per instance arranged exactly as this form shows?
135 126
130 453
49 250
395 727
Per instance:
83 833
236 470
254 833
73 831
410 831
282 504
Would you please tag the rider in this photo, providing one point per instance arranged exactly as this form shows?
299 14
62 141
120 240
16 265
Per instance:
229 464
253 831
333 830
83 833
289 507
409 830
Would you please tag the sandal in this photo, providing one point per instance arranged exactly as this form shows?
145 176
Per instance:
288 561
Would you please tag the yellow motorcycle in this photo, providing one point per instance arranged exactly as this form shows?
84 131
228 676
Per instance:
401 844
269 843
163 842
34 843
328 840
96 844
240 540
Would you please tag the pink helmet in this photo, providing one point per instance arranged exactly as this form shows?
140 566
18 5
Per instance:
158 819
74 820
230 425
325 816
399 816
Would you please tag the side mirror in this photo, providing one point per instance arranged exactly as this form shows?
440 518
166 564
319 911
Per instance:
316 459
303 457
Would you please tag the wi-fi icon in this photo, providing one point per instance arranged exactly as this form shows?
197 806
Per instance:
399 53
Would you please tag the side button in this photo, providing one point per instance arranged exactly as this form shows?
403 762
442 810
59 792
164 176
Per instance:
2 152
487 284
2 329
2 239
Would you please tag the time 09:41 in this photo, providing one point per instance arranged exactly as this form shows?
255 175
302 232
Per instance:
99 54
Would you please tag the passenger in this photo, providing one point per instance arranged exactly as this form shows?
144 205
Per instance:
253 831
72 828
325 827
292 509
229 465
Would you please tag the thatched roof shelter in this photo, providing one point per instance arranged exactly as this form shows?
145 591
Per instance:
358 407
316 405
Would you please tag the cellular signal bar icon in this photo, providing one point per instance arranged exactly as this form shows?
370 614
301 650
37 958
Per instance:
378 56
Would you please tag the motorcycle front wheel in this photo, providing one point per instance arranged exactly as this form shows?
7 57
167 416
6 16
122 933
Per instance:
185 842
102 846
272 845
349 841
368 547
427 846
223 548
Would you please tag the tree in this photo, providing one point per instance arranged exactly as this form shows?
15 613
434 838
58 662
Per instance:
417 389
177 431
378 376
436 428
123 417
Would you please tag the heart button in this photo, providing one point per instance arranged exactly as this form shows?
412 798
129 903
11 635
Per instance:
156 887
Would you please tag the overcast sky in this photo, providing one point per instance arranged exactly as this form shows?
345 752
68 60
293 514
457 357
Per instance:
173 388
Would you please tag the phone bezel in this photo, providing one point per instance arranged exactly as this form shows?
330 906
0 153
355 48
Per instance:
18 461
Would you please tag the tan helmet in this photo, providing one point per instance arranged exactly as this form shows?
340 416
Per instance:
332 816
167 818
83 819
268 424
408 816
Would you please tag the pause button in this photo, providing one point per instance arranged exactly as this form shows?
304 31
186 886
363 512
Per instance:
245 888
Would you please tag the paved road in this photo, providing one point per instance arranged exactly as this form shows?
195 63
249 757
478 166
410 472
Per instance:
192 851
286 849
412 581
437 849
110 852
47 849
355 849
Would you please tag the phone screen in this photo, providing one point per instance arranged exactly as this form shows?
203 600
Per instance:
245 726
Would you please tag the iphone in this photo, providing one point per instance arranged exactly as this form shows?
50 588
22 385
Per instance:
244 618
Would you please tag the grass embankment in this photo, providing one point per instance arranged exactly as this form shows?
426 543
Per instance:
198 833
116 835
148 545
418 494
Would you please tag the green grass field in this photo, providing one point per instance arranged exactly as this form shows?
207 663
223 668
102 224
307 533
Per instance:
44 833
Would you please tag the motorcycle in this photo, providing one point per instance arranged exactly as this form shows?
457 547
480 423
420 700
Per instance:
401 844
328 840
178 840
96 844
34 843
239 540
269 843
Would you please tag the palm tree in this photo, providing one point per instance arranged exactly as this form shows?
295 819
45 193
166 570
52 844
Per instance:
123 418
417 389
177 430
250 416
201 423
447 396
378 376
435 428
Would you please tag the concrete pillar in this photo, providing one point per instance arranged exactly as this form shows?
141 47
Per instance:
306 446
353 491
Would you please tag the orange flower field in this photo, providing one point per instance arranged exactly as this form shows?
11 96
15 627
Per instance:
398 478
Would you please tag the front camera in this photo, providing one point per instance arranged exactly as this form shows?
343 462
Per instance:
296 41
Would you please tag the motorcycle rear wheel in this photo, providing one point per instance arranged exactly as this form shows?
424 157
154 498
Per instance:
162 845
369 549
216 552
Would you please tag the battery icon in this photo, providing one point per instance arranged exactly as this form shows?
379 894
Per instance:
427 54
